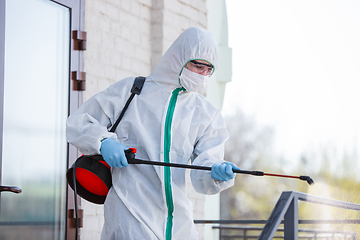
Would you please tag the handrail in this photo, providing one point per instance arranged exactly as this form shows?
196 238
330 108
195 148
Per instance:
286 212
319 233
301 221
287 208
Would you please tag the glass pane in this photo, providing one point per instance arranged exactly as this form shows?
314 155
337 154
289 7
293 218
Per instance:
36 86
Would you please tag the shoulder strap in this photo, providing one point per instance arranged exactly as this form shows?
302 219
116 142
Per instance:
136 89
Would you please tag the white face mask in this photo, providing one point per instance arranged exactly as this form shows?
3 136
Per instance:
193 82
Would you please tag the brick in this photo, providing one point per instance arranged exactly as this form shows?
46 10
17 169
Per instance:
125 5
166 44
100 211
145 42
125 32
200 5
119 42
144 27
130 20
102 220
126 63
158 4
157 16
157 31
157 45
90 222
145 69
146 3
190 12
108 41
104 57
135 65
173 6
110 72
88 208
155 58
112 12
103 84
87 94
115 28
168 16
142 69
92 52
115 59
175 19
89 5
187 2
135 37
171 33
122 73
86 235
94 67
185 22
113 2
100 7
104 23
145 13
135 7
128 49
202 19
142 55
93 39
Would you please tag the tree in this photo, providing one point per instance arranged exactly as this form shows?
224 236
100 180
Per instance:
250 147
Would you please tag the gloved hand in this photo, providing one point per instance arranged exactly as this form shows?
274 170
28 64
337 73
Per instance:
223 171
113 153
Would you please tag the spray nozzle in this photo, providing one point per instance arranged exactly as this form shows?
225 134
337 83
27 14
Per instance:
307 179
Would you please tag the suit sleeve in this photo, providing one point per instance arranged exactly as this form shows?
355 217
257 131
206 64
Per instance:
209 150
90 123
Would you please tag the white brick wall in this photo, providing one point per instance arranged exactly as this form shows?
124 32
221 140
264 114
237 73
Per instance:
127 38
118 43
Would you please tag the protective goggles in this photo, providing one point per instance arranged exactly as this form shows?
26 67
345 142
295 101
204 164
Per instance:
202 67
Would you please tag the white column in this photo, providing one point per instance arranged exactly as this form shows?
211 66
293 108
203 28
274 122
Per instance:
218 25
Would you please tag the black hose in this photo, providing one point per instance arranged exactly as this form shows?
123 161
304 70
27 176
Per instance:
75 200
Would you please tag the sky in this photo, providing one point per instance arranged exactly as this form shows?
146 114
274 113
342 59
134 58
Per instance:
296 67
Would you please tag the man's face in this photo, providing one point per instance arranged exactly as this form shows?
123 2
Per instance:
200 66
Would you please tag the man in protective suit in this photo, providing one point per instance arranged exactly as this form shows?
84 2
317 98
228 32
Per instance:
170 122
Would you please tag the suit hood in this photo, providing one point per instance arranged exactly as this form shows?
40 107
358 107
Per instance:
193 43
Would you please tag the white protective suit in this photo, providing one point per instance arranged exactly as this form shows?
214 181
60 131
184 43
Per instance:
149 202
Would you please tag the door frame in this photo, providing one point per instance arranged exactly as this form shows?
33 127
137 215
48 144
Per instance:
2 75
76 8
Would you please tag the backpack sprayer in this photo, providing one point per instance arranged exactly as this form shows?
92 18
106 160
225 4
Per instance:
93 176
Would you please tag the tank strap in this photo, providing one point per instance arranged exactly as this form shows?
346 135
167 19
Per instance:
136 89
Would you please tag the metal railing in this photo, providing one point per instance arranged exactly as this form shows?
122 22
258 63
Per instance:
286 213
248 233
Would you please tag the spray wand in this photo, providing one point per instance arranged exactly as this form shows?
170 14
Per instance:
130 155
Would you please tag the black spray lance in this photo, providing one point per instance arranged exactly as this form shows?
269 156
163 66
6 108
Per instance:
130 155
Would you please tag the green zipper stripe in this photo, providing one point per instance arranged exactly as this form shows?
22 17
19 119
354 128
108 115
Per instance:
167 173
